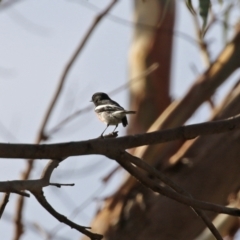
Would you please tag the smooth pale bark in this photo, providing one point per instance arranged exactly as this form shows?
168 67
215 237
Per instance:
152 43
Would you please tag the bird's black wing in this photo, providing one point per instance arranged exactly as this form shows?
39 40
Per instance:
110 102
124 120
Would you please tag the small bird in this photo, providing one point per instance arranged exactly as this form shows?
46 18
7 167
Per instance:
109 111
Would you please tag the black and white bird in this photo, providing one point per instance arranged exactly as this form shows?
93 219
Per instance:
109 111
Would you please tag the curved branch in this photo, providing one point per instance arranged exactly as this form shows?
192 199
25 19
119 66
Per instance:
43 202
154 172
123 159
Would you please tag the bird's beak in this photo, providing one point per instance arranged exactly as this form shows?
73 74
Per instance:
91 100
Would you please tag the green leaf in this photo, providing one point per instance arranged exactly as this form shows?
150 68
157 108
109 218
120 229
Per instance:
190 6
204 6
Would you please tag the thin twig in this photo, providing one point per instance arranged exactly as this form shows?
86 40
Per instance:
59 185
4 203
201 42
78 209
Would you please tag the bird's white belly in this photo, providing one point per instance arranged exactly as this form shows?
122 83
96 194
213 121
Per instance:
111 118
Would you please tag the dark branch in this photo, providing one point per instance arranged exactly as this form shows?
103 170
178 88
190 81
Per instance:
105 146
124 160
157 174
4 203
59 185
61 218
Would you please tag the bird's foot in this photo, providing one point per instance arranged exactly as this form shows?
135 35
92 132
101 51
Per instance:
110 135
114 134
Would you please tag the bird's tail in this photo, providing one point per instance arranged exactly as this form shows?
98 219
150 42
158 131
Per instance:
130 112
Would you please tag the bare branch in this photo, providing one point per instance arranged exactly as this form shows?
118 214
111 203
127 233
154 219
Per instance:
47 172
17 186
96 146
123 158
42 200
4 203
35 187
21 193
78 209
154 172
113 148
59 185
209 224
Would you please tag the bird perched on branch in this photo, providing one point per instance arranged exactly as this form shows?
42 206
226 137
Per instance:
109 111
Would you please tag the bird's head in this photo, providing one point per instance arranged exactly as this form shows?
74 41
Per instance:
98 97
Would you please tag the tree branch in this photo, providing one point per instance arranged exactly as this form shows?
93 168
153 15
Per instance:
154 172
61 218
113 148
123 159
104 146
36 186
4 203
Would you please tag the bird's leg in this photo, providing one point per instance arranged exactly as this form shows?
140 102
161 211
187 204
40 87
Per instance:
104 131
115 128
